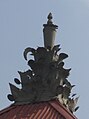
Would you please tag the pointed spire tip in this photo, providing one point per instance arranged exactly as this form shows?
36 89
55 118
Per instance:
50 16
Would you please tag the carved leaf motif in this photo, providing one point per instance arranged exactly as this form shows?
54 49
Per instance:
56 49
27 50
14 90
45 80
62 56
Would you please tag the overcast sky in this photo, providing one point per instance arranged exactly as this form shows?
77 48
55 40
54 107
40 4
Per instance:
21 25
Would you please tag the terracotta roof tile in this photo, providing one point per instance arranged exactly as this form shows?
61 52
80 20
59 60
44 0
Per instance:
44 110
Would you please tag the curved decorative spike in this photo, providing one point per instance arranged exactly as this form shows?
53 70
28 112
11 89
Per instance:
62 56
64 72
27 50
10 97
14 90
67 83
73 86
17 81
76 108
56 48
74 94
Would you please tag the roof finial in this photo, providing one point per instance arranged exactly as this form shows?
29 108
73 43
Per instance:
50 18
49 32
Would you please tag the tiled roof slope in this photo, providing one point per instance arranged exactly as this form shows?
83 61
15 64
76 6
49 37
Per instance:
45 110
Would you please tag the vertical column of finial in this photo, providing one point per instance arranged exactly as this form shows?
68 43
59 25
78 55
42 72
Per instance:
49 32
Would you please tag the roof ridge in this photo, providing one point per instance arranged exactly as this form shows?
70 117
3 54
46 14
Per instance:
61 109
54 104
7 109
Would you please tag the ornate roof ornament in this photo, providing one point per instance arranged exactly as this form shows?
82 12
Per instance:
50 19
49 32
46 78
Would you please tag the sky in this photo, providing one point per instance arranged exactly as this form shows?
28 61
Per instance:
21 25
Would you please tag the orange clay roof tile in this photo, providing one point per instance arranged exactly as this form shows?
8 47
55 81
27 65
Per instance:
44 110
